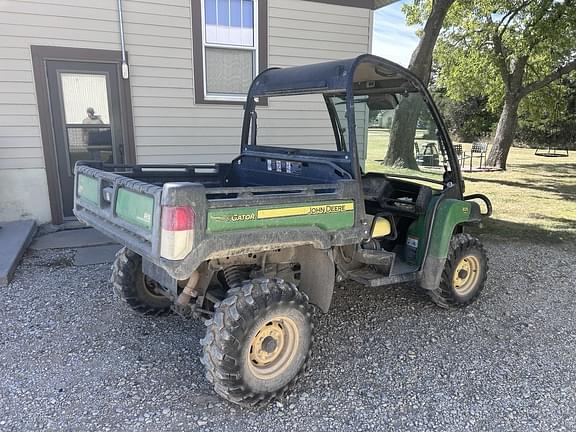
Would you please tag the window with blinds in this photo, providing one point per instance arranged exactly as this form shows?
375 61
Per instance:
230 44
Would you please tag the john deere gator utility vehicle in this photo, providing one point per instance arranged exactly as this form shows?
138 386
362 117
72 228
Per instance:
252 244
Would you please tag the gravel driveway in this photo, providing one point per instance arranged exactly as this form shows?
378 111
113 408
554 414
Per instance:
71 358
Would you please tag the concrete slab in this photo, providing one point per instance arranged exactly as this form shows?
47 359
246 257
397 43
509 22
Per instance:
96 255
14 239
76 238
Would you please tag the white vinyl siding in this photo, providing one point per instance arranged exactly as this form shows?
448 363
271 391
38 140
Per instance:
168 126
303 32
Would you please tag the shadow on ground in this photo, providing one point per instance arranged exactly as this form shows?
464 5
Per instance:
556 168
565 191
492 228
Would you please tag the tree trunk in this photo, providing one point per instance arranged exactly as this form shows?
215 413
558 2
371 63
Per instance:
505 132
421 60
400 151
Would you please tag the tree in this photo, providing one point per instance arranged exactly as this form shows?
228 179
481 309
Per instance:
506 50
548 116
400 152
469 119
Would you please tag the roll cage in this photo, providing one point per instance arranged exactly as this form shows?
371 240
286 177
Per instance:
365 74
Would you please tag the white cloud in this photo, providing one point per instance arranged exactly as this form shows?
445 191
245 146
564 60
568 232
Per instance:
392 38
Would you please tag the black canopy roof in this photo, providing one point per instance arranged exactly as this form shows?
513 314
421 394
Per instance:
333 76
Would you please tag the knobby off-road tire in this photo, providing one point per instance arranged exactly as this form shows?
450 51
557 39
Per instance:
258 342
464 273
134 288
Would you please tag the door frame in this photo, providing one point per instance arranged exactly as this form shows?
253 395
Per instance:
42 54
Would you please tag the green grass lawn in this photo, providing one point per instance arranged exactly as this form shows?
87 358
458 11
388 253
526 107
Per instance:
534 199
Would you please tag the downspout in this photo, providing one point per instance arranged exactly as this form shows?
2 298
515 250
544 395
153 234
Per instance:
125 74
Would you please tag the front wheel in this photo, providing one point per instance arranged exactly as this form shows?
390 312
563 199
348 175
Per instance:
259 341
464 273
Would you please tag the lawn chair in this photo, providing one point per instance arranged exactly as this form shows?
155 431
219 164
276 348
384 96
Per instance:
460 153
478 150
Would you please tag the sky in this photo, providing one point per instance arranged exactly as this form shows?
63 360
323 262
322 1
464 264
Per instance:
393 39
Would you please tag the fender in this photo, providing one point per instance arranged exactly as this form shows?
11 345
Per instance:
317 275
450 214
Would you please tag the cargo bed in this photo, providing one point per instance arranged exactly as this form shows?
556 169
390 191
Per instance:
126 202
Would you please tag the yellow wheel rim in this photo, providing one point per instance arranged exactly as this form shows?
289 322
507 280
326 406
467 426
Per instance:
466 274
273 347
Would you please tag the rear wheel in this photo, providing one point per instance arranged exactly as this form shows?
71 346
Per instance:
259 341
134 288
464 273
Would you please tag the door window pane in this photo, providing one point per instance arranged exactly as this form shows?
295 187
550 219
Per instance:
229 71
88 130
89 143
83 91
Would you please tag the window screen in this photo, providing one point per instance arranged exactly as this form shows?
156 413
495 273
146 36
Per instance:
228 71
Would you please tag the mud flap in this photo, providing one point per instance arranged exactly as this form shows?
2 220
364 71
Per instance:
432 272
161 276
317 275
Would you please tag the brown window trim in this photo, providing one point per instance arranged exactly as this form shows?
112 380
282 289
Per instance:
41 54
198 51
363 4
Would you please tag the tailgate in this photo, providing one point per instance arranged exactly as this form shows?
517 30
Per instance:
124 209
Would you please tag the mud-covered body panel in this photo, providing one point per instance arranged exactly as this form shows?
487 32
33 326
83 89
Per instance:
322 216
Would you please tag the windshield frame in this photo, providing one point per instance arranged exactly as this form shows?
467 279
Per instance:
442 144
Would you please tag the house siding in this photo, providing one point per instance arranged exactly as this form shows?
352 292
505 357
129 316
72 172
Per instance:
168 126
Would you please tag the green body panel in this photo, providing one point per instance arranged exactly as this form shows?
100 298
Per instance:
329 216
450 213
417 232
135 208
88 188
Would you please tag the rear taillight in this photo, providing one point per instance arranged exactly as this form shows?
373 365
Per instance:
177 218
177 232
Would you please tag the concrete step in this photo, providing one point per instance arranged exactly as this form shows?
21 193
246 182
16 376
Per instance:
14 239
71 239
